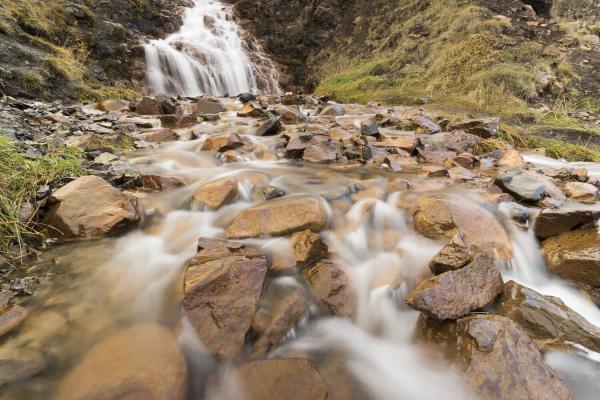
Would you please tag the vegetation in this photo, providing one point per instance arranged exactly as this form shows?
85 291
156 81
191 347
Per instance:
20 178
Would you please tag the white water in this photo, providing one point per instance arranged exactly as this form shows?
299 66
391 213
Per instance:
208 55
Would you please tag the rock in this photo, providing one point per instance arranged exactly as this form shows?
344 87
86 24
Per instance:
581 191
217 193
18 364
332 110
290 379
515 211
250 109
551 222
435 157
142 362
530 187
369 128
290 116
203 106
269 127
575 256
291 99
159 105
246 97
222 287
89 207
484 128
428 126
455 294
329 283
454 255
512 159
434 171
442 216
308 247
104 158
266 192
545 317
160 183
289 309
498 359
158 135
222 142
113 105
458 173
178 121
11 317
388 138
322 153
280 217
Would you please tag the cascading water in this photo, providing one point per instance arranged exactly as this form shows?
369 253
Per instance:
208 55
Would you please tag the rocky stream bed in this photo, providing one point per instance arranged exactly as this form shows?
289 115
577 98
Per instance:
293 248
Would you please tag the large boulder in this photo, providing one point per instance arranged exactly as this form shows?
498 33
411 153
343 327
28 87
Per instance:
89 207
551 222
222 287
279 217
142 362
455 294
443 216
546 318
575 256
498 359
290 379
330 285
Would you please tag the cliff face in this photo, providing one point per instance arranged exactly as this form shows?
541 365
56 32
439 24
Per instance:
79 49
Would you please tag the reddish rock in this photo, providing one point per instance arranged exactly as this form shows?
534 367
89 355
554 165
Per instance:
330 285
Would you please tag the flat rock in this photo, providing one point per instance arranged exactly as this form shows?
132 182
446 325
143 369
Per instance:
530 187
483 127
455 294
403 140
442 216
333 110
89 207
222 287
142 362
581 191
205 106
11 317
321 153
280 217
546 318
551 222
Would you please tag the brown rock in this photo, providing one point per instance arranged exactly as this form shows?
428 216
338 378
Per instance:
499 360
18 364
551 222
329 283
484 128
222 142
11 317
290 116
439 216
388 138
308 247
159 135
143 362
113 105
160 183
178 121
454 255
321 153
206 106
435 157
251 109
454 294
157 105
545 317
511 158
290 379
89 207
280 217
221 297
333 110
222 191
581 191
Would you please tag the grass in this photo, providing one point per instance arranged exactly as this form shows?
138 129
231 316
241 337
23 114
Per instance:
32 81
20 178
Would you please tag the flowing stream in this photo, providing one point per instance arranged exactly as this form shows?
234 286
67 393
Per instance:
208 55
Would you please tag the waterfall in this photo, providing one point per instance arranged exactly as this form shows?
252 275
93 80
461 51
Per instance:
208 56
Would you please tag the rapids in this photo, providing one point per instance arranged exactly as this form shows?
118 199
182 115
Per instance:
208 55
99 287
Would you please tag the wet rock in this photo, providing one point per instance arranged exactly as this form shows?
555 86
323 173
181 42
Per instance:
141 362
545 317
246 97
308 247
18 364
454 255
269 127
428 126
279 217
159 135
250 109
456 141
435 157
333 110
484 128
434 171
498 359
289 309
160 183
290 116
466 160
290 379
406 141
11 317
454 294
205 106
458 173
322 153
551 222
221 294
178 121
511 158
89 207
442 216
159 105
369 128
222 142
581 191
515 211
530 187
222 191
575 256
329 284
113 105
266 192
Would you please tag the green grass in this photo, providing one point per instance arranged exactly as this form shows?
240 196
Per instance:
20 177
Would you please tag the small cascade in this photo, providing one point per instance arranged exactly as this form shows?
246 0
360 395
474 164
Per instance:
209 56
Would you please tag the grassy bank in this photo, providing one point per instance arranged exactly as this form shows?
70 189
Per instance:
20 178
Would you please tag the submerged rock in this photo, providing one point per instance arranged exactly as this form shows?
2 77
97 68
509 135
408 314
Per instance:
89 207
454 294
11 317
18 364
142 362
546 317
280 217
